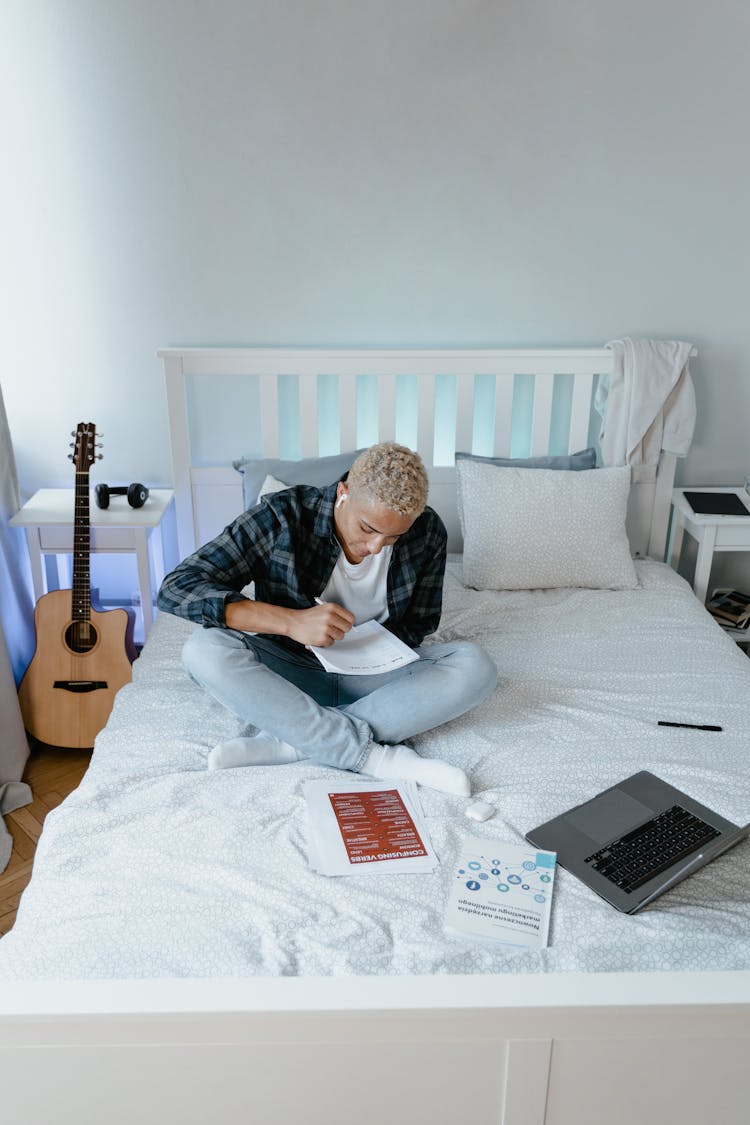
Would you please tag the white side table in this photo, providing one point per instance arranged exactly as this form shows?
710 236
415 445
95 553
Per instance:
48 520
713 533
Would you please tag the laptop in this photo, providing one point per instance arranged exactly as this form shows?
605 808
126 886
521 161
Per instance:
634 841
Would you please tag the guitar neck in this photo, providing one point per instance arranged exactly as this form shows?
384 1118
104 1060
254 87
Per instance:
81 598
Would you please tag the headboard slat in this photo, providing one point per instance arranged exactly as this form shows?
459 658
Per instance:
540 428
503 416
179 435
387 407
465 399
580 413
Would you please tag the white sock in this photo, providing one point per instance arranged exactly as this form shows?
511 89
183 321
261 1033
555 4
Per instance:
401 762
260 750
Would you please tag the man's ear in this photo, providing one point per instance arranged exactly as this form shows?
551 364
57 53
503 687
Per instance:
341 499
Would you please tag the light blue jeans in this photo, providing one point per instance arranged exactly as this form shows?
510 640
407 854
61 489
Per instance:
330 718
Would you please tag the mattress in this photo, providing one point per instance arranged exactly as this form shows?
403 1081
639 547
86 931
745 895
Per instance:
156 867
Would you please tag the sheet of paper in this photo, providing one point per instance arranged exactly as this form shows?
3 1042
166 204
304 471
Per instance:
370 826
501 892
366 650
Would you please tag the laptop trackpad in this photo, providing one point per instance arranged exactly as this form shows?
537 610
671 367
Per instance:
608 815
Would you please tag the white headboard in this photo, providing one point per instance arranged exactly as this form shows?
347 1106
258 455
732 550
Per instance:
207 498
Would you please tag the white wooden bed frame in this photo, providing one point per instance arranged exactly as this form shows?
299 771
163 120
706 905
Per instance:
547 1049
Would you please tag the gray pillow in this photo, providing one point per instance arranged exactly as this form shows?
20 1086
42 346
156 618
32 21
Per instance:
584 459
319 471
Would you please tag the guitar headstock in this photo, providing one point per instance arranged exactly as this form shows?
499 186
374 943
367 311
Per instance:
83 455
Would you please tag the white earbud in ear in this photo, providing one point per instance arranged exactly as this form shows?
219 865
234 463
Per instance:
341 500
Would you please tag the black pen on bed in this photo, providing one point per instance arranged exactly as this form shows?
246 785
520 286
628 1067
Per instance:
688 726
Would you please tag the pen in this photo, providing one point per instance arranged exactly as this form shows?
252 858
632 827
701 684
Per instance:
688 726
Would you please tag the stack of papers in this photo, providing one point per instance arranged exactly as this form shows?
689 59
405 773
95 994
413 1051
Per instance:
366 650
502 892
372 826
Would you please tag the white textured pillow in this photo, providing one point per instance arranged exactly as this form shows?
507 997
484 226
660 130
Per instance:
527 529
271 485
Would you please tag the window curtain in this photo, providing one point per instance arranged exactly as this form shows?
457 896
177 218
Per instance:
16 640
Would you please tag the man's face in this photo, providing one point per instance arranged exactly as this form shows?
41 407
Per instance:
364 528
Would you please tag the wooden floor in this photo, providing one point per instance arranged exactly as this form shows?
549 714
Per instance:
52 774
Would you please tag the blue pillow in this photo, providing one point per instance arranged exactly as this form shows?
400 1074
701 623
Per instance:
319 471
584 459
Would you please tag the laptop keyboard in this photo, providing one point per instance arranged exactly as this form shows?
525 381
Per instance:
651 848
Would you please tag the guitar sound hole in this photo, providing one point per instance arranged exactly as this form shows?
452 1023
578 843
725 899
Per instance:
80 636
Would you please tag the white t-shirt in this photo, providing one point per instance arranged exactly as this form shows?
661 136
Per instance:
362 588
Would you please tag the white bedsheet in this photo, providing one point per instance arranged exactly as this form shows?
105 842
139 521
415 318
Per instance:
156 867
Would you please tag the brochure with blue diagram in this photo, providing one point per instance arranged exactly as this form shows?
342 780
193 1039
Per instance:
501 892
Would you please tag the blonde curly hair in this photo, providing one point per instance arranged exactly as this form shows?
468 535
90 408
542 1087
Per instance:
391 475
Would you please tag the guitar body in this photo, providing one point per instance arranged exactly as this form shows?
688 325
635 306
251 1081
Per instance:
66 694
68 690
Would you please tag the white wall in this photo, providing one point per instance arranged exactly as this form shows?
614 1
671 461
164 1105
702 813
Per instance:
484 172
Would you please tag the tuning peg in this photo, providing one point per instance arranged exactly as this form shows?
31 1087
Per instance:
100 456
72 433
70 457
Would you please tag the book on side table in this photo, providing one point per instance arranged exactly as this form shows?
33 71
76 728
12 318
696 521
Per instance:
731 608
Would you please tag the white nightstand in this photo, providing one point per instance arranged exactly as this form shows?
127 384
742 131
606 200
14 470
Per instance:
48 520
713 533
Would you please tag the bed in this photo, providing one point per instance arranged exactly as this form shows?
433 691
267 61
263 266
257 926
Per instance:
173 931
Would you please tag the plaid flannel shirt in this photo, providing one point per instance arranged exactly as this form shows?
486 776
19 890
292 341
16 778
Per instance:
287 547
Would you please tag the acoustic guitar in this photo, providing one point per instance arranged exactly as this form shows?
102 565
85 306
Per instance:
82 655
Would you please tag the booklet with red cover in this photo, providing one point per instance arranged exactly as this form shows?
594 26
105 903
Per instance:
374 826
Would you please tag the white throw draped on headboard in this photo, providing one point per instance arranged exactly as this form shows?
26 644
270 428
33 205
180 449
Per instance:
647 403
16 640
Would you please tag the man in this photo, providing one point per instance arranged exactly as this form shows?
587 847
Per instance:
322 560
